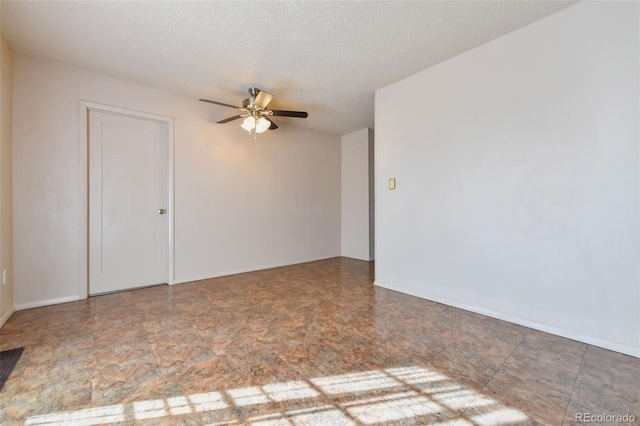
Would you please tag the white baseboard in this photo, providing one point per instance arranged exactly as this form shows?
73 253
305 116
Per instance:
251 269
40 303
357 258
594 341
7 315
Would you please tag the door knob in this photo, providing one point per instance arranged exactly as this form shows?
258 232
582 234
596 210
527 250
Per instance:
161 211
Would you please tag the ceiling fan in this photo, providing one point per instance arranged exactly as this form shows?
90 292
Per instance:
256 116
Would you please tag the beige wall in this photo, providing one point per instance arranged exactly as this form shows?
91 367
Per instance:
6 238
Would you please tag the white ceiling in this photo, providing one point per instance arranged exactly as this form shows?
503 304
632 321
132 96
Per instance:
324 57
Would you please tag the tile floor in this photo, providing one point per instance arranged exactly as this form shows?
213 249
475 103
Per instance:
314 344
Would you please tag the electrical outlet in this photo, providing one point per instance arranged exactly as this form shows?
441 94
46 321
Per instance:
4 276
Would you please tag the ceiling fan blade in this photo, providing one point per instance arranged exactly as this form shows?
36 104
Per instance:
219 103
273 125
262 99
226 120
281 113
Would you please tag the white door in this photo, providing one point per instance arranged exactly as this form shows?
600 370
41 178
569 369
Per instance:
128 188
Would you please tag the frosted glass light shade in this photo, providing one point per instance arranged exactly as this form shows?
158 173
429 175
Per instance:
249 124
262 125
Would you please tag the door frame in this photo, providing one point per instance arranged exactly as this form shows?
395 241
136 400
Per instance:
85 107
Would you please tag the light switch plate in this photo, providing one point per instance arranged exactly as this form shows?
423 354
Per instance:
392 183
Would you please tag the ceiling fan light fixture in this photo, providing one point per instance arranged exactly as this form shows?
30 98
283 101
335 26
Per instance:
262 125
249 124
255 113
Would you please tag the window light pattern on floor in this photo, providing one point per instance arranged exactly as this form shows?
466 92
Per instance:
362 398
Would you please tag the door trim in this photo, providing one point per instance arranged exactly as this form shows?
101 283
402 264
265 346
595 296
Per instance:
85 106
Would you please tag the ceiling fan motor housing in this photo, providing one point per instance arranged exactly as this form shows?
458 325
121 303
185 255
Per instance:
248 103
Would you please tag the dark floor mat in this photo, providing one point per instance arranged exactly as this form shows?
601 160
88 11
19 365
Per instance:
8 360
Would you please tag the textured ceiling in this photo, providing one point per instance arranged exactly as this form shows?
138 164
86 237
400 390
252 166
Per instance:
326 58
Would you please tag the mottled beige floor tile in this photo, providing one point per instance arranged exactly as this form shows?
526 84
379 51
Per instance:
127 385
608 383
212 375
116 321
615 372
105 339
43 391
550 348
16 339
473 377
479 352
175 359
541 399
541 372
499 332
28 316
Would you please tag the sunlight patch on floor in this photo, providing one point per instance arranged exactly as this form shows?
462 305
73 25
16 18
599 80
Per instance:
460 399
355 382
326 414
389 409
87 416
248 396
290 391
507 416
149 409
364 398
209 401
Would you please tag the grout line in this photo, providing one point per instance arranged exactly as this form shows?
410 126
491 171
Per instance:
493 375
241 418
574 383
